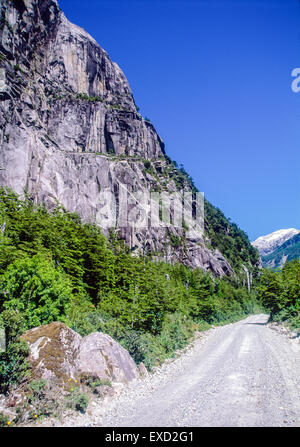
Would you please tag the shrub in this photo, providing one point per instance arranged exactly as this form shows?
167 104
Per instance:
77 400
44 399
13 364
144 347
4 420
35 287
94 382
37 387
175 241
176 331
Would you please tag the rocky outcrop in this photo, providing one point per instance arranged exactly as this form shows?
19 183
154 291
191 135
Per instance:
57 352
70 131
54 350
101 356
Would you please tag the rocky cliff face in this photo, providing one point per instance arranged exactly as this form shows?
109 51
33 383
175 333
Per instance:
70 130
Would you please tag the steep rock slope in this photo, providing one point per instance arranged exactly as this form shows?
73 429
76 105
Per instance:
70 130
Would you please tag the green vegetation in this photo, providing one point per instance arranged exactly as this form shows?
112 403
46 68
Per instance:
36 288
78 97
115 106
231 241
18 68
279 293
175 241
85 97
4 420
76 400
44 398
54 267
13 364
94 383
149 168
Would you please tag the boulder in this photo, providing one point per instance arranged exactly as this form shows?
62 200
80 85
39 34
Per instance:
101 356
54 351
57 352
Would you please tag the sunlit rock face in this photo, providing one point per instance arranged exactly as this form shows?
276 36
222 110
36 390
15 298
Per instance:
70 131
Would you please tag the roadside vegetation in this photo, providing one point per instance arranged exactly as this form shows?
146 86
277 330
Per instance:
279 293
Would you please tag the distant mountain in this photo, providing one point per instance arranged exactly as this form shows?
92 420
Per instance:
278 247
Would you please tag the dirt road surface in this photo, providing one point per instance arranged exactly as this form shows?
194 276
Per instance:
240 375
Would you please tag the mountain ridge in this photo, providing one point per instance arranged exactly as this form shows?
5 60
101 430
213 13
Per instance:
265 244
278 247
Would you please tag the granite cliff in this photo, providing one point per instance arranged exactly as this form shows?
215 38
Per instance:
70 129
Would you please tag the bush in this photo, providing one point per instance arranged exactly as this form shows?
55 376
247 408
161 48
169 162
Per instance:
94 382
13 364
144 347
203 325
77 401
44 399
152 350
33 286
176 331
279 293
4 420
37 387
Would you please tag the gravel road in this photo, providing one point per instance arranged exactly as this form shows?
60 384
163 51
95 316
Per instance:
240 375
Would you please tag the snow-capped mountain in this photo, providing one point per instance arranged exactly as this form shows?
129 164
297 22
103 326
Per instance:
278 247
267 244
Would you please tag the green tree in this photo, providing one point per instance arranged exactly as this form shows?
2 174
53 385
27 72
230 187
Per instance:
34 287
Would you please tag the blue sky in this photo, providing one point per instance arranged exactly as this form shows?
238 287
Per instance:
215 79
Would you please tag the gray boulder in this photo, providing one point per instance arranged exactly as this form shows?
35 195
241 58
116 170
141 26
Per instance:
101 356
57 352
54 351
